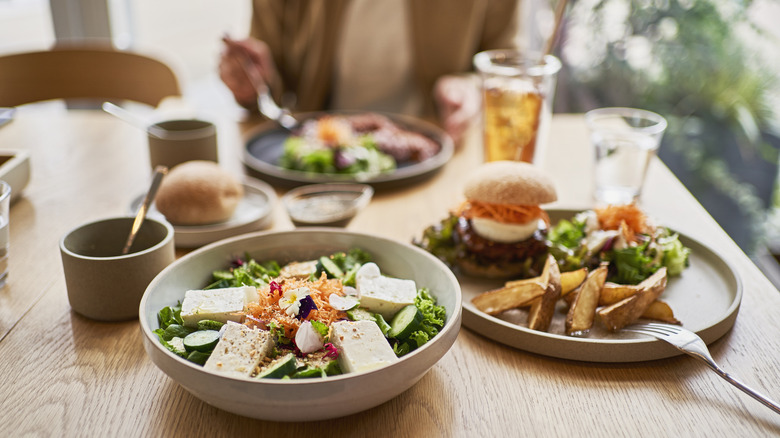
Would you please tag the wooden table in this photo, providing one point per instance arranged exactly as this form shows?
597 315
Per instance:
65 375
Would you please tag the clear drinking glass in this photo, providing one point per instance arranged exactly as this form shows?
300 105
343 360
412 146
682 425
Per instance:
518 90
624 141
5 202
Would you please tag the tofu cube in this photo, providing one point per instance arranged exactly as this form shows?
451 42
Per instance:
216 304
239 351
381 294
361 346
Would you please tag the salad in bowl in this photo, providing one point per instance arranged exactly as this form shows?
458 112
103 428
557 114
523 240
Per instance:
311 319
299 343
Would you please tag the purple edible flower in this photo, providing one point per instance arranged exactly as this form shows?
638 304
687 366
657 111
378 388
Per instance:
307 305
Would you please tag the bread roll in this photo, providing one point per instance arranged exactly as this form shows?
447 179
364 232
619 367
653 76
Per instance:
198 193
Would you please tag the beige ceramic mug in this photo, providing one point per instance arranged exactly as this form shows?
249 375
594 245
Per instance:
102 283
172 142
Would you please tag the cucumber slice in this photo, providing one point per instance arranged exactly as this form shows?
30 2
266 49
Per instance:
383 325
202 340
358 314
198 357
208 324
279 368
405 322
309 372
331 268
332 368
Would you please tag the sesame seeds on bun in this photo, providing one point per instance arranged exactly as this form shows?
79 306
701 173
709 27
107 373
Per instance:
510 182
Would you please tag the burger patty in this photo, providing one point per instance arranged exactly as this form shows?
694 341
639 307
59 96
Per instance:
487 252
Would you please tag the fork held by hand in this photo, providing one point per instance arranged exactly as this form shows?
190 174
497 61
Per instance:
691 344
265 102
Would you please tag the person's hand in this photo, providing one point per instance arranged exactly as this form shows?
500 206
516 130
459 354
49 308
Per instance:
458 102
244 66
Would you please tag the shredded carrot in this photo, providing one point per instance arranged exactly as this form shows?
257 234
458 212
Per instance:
333 131
612 216
267 310
505 213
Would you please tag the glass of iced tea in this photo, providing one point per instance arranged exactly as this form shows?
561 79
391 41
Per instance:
518 90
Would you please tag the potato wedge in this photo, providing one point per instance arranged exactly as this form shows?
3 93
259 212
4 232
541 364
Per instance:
569 280
628 310
571 296
572 280
582 312
496 301
611 293
514 283
541 313
660 311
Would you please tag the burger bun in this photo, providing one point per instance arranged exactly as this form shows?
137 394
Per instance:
510 182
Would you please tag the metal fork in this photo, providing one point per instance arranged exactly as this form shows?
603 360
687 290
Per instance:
690 343
265 102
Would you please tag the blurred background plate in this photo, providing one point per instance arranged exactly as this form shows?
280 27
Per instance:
265 147
254 212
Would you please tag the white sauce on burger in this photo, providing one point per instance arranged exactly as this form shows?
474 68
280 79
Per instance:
502 232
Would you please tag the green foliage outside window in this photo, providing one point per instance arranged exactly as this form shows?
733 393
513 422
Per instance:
697 63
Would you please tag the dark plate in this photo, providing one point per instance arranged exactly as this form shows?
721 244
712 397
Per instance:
265 147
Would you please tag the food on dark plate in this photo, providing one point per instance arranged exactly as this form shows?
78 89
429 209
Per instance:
500 230
364 144
198 193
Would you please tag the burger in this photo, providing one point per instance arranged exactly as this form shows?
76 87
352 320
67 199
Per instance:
500 230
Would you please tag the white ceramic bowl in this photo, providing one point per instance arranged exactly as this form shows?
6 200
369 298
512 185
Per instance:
309 399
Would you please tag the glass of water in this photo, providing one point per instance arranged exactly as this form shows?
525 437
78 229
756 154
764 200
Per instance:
625 140
5 201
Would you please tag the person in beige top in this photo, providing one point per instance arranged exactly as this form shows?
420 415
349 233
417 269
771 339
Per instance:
376 55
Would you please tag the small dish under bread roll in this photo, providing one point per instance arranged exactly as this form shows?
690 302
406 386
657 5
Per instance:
198 193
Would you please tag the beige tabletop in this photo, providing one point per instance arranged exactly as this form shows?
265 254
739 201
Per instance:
64 375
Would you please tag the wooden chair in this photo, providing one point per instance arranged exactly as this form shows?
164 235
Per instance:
99 73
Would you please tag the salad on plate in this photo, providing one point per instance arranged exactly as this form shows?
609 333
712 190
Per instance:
607 264
622 236
317 318
363 145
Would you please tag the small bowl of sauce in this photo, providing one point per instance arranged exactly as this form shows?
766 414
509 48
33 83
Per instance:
326 205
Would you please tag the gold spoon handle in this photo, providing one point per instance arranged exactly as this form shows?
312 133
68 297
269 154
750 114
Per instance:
159 172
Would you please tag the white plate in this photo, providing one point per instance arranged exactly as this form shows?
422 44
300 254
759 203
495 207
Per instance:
254 212
705 298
